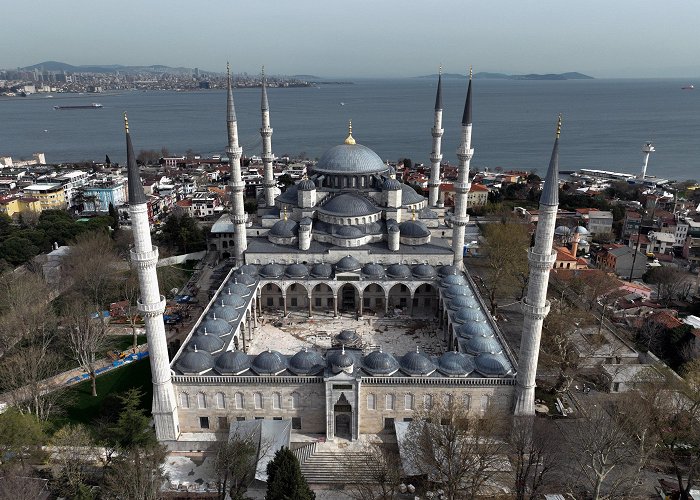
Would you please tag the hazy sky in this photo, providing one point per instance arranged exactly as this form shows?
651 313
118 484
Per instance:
373 38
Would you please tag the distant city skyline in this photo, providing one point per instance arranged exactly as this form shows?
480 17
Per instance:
622 39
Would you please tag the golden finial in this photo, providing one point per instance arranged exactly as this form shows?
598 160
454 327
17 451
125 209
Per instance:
350 139
414 214
559 126
471 72
126 123
284 213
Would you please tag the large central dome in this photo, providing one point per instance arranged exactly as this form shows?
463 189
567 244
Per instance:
350 159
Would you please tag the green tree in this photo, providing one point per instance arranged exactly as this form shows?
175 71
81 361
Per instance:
181 233
6 227
132 428
115 217
73 458
285 480
235 461
21 437
17 251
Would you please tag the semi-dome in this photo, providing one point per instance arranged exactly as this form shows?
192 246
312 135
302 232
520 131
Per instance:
471 329
347 337
468 314
453 279
492 365
417 363
562 231
424 271
398 271
349 232
322 270
297 271
216 326
232 363
285 229
195 361
237 288
426 213
479 345
349 205
290 195
306 185
391 185
227 313
374 228
244 279
414 229
350 159
451 269
409 195
206 342
348 264
231 299
455 364
380 363
269 363
249 269
373 270
455 290
271 270
306 362
460 301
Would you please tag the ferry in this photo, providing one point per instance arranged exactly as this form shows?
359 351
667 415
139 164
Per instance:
94 105
688 87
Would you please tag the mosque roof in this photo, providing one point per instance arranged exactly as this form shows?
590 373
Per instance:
297 271
206 342
285 229
459 301
453 363
243 279
349 232
373 270
417 363
306 362
458 289
349 205
249 269
414 229
348 263
380 363
322 270
195 361
269 363
492 365
398 271
231 299
471 329
451 269
468 314
424 271
306 185
232 362
216 326
453 279
271 270
222 311
290 195
340 359
239 289
479 344
409 195
350 159
391 185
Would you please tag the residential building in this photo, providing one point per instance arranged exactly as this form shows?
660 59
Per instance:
100 194
50 196
15 205
204 203
619 259
478 195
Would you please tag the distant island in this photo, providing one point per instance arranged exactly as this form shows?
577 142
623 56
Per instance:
503 76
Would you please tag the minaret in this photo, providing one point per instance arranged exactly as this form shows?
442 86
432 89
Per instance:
436 155
535 305
234 152
647 149
151 304
266 134
464 154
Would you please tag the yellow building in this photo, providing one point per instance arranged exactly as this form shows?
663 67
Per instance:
50 196
14 205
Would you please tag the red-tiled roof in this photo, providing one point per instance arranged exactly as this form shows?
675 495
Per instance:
666 320
478 187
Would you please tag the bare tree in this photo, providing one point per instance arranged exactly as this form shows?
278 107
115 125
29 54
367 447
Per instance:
87 336
235 462
25 308
558 349
670 282
136 474
72 456
376 473
130 290
535 446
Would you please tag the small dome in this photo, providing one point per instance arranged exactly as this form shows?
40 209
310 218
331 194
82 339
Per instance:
285 229
424 271
562 231
398 271
322 270
206 342
417 363
231 299
391 185
373 270
297 271
349 232
347 337
340 359
195 361
249 269
492 365
409 195
374 228
460 301
269 363
451 269
349 205
306 362
232 363
426 213
414 229
243 279
471 329
306 221
453 279
271 270
581 230
237 288
455 290
348 264
216 326
394 228
290 195
227 313
380 363
467 314
479 345
456 364
306 185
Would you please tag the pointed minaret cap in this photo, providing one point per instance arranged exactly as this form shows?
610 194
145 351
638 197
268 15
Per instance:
230 108
135 188
350 139
550 193
467 116
264 105
438 96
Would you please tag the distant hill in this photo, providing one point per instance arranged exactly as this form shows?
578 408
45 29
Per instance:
306 77
106 68
503 76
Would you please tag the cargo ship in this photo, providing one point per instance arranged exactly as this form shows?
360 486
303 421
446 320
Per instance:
94 105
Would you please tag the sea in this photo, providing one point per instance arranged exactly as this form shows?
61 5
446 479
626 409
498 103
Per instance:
605 122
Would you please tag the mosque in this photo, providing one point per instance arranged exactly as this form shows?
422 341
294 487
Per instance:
348 238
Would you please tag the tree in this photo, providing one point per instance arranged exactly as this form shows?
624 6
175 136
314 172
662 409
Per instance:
407 163
181 233
459 451
132 428
284 478
17 250
72 457
671 283
87 336
286 180
92 269
376 473
21 437
534 451
114 215
235 461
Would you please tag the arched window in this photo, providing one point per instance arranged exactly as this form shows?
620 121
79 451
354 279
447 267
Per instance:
467 402
428 401
447 400
409 401
201 400
389 401
258 401
238 401
295 400
371 402
184 400
276 401
485 401
220 400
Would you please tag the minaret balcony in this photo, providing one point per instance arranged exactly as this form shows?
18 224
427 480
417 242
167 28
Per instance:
437 132
541 260
266 131
151 309
536 312
145 257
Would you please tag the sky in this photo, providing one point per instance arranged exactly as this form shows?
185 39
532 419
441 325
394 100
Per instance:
362 38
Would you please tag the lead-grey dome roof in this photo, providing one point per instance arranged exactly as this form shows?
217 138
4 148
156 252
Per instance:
417 363
322 270
285 229
492 365
451 269
350 159
380 363
398 271
373 270
237 288
414 229
453 279
424 271
297 271
232 362
349 232
306 185
347 337
249 269
348 263
340 359
231 299
391 185
206 342
409 195
269 363
349 205
243 279
468 314
227 313
455 290
479 344
271 270
460 301
216 326
290 195
306 362
475 328
192 361
562 230
455 364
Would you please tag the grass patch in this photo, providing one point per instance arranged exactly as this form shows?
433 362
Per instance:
123 342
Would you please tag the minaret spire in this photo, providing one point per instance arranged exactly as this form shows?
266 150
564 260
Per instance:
462 186
436 155
151 304
535 305
269 183
234 152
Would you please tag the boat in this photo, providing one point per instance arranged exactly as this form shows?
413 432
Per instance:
94 105
688 87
